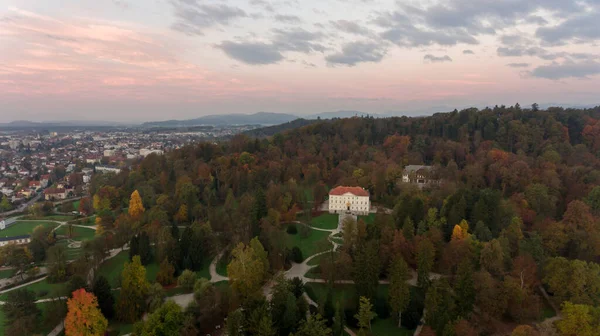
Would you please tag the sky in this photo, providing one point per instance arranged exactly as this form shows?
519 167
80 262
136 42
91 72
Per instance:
142 60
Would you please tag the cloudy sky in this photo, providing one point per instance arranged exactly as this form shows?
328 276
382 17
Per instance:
132 60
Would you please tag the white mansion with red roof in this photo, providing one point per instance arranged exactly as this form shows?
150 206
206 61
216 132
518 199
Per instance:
352 199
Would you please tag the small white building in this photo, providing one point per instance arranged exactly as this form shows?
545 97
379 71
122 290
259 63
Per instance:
107 169
145 152
18 240
355 200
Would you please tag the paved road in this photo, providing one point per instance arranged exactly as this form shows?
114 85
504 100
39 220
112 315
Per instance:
22 207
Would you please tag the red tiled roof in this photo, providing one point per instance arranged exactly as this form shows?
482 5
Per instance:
357 191
54 191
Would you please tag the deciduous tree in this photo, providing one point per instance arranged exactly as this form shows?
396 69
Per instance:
84 317
134 288
399 291
365 315
20 312
136 207
167 320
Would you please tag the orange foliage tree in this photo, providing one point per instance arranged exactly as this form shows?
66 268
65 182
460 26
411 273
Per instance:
84 317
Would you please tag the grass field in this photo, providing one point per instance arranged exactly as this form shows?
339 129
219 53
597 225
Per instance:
385 327
346 294
87 221
317 260
314 243
72 253
370 219
60 218
57 289
20 228
78 233
5 274
112 269
325 221
205 271
222 265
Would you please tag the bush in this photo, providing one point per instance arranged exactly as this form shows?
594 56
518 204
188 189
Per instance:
292 229
296 255
187 279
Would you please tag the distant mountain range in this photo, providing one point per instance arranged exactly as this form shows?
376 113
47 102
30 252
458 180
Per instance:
44 124
260 118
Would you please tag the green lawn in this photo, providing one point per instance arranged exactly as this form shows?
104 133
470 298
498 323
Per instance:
546 311
60 218
76 204
315 242
370 219
57 289
87 221
222 265
346 294
116 328
317 260
112 269
20 228
204 272
79 233
44 329
72 253
385 327
325 221
5 274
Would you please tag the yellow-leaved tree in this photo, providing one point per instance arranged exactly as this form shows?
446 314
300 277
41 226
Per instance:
248 268
136 207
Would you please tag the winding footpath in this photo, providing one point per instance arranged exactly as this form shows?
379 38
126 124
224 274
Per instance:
183 300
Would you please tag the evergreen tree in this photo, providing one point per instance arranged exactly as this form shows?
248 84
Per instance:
464 288
145 250
425 260
106 300
366 270
134 246
439 305
338 320
399 291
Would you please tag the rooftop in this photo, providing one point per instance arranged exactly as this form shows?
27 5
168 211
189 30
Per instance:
341 190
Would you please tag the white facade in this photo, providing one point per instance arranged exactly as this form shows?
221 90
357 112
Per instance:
105 169
15 240
342 200
145 152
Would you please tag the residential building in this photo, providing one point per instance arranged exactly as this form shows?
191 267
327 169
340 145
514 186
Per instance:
355 200
19 240
108 169
419 175
53 194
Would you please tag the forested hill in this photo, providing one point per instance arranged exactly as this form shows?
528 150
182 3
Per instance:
272 130
515 211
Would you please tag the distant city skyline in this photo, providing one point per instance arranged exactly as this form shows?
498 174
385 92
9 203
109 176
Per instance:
136 61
